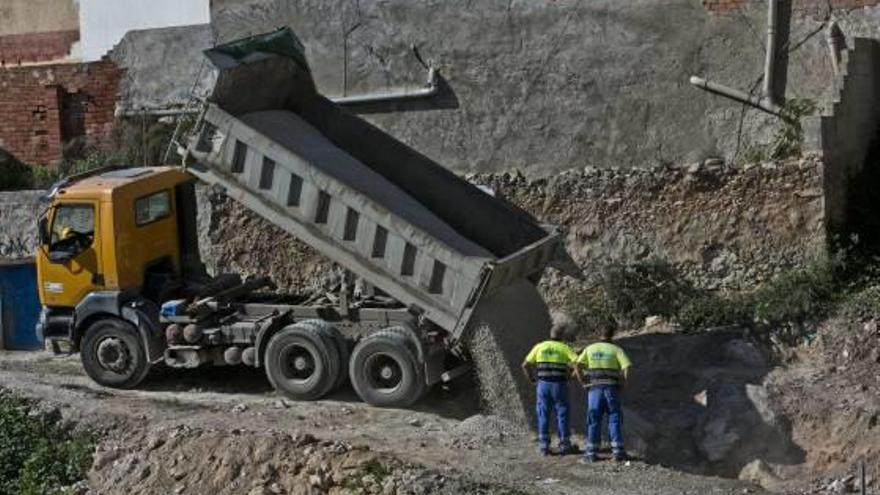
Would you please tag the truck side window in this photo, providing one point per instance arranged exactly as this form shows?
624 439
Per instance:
73 228
150 208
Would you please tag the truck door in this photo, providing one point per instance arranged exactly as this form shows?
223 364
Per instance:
69 258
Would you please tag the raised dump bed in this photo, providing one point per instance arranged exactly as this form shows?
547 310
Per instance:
405 224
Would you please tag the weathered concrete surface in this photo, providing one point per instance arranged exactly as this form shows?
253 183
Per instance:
18 224
547 86
38 16
162 66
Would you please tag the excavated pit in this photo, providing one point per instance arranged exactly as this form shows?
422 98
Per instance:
697 403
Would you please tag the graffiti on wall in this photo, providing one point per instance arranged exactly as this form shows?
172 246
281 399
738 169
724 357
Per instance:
18 224
16 247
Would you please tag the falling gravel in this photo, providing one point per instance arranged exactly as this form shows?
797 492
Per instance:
506 325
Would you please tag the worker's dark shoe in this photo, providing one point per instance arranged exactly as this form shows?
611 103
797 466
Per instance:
570 450
543 451
589 459
620 456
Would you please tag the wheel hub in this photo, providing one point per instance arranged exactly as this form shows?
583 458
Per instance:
113 355
300 363
384 372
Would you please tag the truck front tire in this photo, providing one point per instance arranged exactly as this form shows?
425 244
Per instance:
384 370
113 354
301 362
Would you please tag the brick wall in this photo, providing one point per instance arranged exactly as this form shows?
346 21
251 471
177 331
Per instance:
42 107
801 6
16 49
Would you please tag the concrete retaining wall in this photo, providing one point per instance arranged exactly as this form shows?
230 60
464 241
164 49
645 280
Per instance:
18 224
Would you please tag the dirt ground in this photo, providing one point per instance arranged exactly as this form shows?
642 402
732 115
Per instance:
217 430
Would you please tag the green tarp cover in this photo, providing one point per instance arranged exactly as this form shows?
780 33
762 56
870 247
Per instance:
281 42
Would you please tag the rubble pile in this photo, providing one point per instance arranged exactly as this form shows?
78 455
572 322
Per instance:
182 459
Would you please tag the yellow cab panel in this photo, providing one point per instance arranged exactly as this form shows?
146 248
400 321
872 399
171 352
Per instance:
74 265
105 232
146 233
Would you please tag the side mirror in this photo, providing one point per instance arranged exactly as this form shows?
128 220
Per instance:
43 229
60 256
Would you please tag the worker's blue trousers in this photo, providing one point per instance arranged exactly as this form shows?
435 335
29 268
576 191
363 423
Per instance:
553 396
601 400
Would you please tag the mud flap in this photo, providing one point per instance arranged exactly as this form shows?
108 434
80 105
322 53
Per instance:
145 317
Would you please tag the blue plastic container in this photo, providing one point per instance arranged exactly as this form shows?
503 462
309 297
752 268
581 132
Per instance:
19 305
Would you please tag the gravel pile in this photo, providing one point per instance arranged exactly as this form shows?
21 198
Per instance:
480 430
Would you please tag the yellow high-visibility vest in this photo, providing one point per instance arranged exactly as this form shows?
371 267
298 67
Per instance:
551 359
604 361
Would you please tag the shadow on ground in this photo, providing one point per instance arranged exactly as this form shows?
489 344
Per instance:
456 400
697 404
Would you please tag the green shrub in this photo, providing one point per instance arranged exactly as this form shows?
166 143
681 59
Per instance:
590 309
862 305
846 284
789 137
798 296
14 175
38 454
713 310
639 290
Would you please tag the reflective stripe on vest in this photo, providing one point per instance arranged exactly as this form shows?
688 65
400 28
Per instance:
603 376
552 370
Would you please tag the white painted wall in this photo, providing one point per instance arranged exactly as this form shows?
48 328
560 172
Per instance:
102 23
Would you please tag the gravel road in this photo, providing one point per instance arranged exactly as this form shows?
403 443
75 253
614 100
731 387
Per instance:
445 434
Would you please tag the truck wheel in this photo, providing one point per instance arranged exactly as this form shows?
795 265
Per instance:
341 343
113 354
301 363
384 370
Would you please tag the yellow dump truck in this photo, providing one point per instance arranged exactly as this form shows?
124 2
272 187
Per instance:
121 279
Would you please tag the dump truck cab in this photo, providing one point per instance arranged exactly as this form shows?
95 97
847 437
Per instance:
108 239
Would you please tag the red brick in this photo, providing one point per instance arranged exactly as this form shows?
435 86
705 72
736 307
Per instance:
32 103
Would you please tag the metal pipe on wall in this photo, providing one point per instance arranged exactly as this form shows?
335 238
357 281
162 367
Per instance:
431 89
836 44
769 102
770 55
735 94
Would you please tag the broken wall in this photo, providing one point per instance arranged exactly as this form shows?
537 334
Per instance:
847 134
43 107
162 67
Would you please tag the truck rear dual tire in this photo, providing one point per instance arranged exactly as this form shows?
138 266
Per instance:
342 347
113 354
302 361
385 370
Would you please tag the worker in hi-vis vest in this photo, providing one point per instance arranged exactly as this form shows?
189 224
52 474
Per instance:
603 368
550 364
